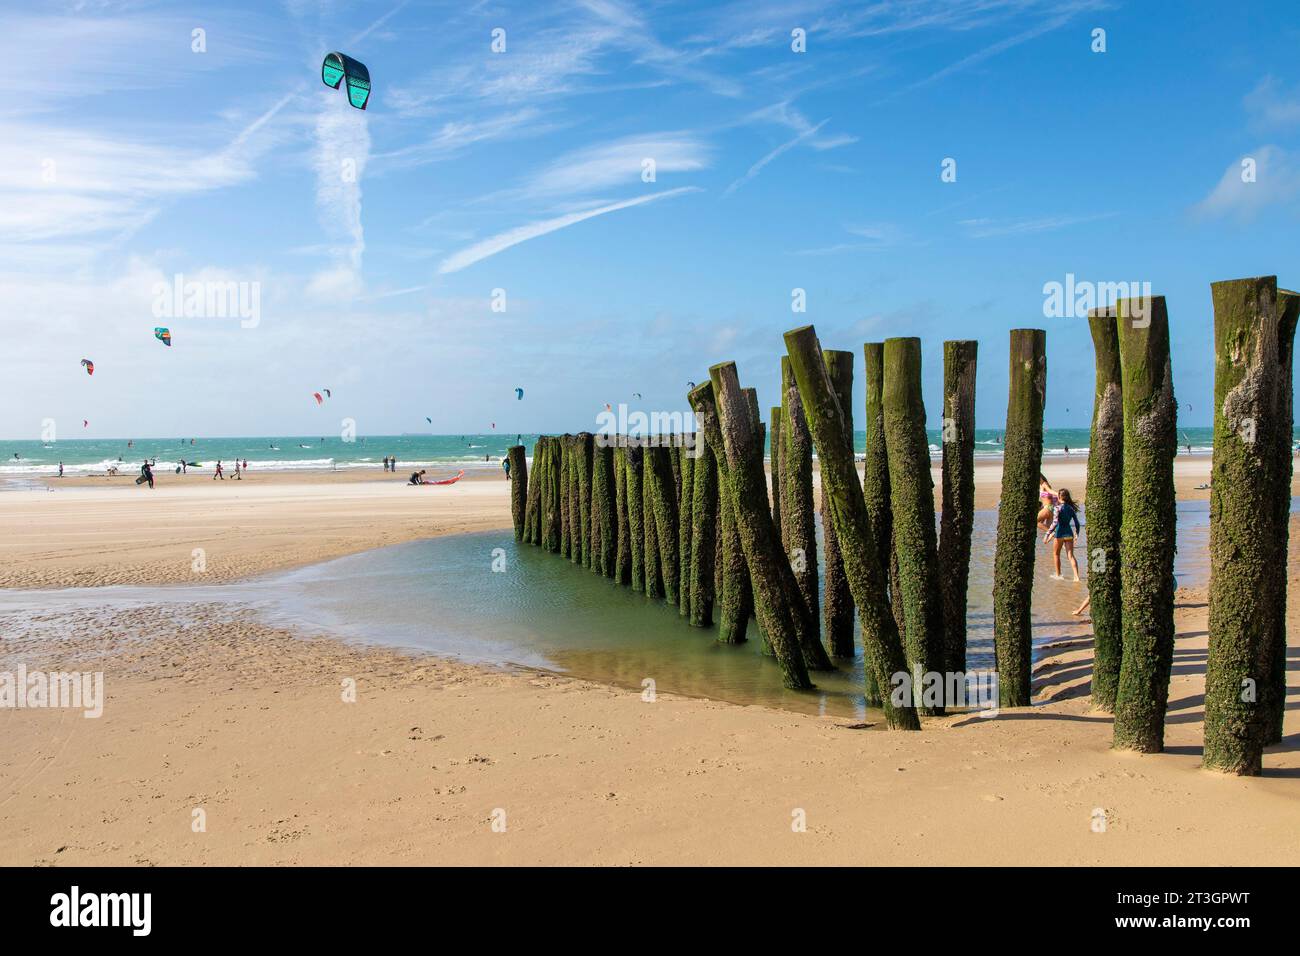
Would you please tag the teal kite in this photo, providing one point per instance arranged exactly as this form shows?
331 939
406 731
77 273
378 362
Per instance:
163 335
519 394
338 66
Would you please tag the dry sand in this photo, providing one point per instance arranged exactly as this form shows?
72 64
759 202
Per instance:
248 725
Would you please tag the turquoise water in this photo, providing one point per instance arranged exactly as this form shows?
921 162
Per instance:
443 596
296 452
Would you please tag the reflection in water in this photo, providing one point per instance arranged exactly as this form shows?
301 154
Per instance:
442 596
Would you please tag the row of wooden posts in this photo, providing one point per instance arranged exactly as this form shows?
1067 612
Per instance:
690 519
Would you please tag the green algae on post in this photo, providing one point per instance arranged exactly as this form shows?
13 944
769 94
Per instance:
704 531
882 650
1013 563
1104 509
957 515
635 512
837 608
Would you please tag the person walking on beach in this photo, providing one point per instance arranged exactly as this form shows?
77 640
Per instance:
147 473
505 464
238 475
1065 527
218 473
60 469
1048 500
245 464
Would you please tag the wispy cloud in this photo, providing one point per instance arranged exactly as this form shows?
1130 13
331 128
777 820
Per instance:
992 228
342 150
619 163
1275 181
1272 105
783 148
513 237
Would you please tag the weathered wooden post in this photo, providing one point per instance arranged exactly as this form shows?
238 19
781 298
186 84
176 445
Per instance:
604 516
1250 414
685 522
704 533
882 648
663 498
1149 523
730 425
875 484
552 499
912 498
575 499
654 581
518 488
1013 563
623 543
838 604
532 521
1288 308
563 464
583 451
957 519
797 511
774 457
636 512
1104 509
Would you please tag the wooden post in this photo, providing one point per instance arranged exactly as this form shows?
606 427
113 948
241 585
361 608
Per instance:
532 522
704 533
623 544
838 605
1149 524
882 649
604 516
729 422
1013 563
1250 415
1104 510
635 514
797 511
875 483
774 458
1288 309
518 488
663 498
654 582
912 498
685 520
957 519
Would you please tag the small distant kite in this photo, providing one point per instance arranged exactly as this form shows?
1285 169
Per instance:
163 335
690 384
319 400
327 393
89 365
336 67
607 407
636 394
85 423
519 394
429 420
494 426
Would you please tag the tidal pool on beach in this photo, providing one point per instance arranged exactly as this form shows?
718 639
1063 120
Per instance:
442 596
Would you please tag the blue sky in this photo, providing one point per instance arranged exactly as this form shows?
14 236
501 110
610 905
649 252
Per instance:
126 158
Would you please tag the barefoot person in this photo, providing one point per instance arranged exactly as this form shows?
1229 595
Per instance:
1047 503
1064 528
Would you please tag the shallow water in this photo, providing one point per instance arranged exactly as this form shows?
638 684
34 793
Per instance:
443 596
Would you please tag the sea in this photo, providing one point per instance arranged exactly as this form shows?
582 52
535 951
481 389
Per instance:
86 456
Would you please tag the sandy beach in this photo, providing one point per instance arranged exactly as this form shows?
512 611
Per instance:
248 724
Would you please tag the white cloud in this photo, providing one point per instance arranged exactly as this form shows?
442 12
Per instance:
1272 105
618 164
513 237
342 150
992 228
1276 182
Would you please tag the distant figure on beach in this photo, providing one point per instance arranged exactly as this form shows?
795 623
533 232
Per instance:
218 473
183 464
245 464
505 465
1067 451
1065 527
146 473
238 473
60 469
487 457
1048 498
417 477
392 464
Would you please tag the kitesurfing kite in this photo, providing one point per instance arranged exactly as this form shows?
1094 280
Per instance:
90 366
84 423
163 335
327 393
429 420
319 400
519 394
690 384
337 67
636 394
